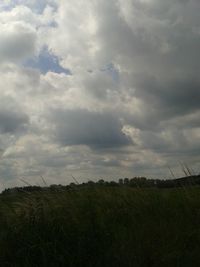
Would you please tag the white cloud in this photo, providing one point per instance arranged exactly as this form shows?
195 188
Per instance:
22 32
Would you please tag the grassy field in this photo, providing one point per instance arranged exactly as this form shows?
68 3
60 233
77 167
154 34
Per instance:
101 226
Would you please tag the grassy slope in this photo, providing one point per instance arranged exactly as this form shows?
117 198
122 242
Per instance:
101 226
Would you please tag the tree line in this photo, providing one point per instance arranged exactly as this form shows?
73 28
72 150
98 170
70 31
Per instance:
135 182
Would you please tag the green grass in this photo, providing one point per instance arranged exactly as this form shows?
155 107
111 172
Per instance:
101 226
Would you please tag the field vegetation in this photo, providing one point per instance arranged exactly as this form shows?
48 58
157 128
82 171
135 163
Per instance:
101 224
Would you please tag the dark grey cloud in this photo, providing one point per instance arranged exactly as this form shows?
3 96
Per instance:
174 97
159 38
10 122
82 127
12 118
18 41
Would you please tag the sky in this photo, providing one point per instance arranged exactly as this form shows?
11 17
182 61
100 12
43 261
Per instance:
98 89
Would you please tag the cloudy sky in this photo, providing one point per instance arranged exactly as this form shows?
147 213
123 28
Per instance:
98 89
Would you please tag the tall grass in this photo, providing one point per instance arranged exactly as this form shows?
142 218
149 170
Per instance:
101 226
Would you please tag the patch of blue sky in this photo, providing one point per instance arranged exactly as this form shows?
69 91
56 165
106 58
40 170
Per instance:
6 5
37 6
46 62
53 24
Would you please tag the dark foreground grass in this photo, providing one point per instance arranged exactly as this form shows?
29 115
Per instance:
101 226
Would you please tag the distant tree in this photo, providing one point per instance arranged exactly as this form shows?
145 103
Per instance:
113 183
91 183
126 181
72 185
101 182
121 182
133 182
